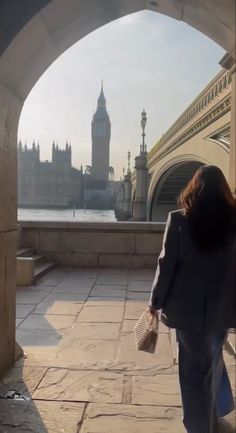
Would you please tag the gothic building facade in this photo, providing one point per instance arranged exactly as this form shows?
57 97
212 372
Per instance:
46 184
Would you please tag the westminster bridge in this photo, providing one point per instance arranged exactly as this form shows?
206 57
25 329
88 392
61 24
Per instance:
201 135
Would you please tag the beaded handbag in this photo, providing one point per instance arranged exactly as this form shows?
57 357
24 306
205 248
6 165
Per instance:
146 332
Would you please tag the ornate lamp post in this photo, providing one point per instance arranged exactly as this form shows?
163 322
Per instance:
140 202
143 147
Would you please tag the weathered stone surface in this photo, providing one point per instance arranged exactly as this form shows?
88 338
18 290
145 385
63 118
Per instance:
47 322
40 417
24 380
74 284
104 291
59 307
18 322
35 288
105 301
67 385
23 310
76 350
141 296
113 279
133 419
38 341
30 297
113 271
54 277
101 314
95 331
159 390
67 297
90 351
86 272
140 286
134 309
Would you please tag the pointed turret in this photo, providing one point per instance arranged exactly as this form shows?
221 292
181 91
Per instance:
101 98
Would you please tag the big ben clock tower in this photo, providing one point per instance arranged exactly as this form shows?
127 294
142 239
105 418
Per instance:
101 134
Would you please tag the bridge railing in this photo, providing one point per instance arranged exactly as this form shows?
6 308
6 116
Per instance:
215 91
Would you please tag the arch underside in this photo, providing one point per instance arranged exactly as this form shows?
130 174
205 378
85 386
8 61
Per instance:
49 28
167 190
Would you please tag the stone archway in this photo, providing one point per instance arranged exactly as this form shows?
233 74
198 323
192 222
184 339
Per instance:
32 36
167 190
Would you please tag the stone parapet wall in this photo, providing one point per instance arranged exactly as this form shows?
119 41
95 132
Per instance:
115 245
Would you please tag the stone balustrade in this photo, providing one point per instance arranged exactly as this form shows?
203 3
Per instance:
84 244
214 100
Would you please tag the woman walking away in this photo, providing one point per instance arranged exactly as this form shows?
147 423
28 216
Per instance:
194 286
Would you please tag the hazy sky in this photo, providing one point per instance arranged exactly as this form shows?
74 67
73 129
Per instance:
145 59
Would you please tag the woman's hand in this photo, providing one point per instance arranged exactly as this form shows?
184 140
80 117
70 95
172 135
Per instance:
152 311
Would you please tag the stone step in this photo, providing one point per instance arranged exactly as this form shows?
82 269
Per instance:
38 259
31 266
42 268
24 252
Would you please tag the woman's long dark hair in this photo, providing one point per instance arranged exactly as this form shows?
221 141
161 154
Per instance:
210 207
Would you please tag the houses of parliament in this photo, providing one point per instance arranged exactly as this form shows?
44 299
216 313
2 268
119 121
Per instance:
57 184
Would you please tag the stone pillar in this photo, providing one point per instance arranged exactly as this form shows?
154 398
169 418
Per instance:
9 116
119 203
140 202
127 197
228 63
232 154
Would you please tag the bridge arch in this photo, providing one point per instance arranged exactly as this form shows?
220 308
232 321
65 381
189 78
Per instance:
168 184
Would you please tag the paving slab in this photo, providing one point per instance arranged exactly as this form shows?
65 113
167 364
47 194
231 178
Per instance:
140 286
72 385
86 272
36 288
18 322
95 331
30 297
113 279
72 351
101 314
134 309
74 285
141 296
23 310
47 322
118 418
105 301
43 339
59 307
108 291
159 390
113 271
40 417
67 297
23 380
54 277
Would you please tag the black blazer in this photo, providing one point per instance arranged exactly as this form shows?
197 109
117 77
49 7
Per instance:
195 290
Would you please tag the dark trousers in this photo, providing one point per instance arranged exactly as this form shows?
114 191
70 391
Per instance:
205 387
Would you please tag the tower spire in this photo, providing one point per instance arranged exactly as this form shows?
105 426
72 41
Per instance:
101 98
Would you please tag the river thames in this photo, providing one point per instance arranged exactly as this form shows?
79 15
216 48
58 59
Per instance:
66 215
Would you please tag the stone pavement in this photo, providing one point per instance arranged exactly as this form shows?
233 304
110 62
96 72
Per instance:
81 369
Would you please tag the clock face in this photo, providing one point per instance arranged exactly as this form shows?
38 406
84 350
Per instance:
100 130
